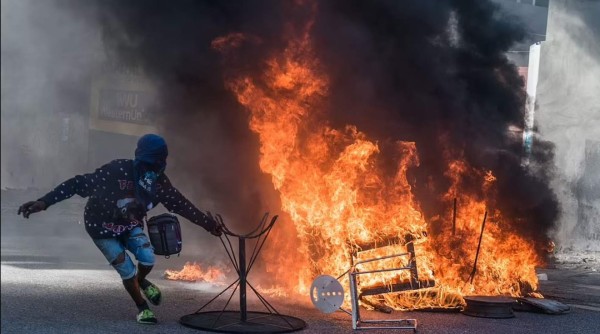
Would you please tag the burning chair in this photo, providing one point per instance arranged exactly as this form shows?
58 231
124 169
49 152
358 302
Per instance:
327 294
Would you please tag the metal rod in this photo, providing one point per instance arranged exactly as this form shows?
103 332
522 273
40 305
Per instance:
354 300
345 311
217 296
231 255
414 273
242 263
386 321
478 247
262 300
268 230
344 273
380 270
383 242
377 306
254 253
265 303
224 307
381 258
454 218
385 327
259 226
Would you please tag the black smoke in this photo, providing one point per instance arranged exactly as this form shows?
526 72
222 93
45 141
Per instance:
433 72
211 148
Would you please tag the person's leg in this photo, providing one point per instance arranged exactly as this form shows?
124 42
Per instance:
143 271
114 251
139 245
131 284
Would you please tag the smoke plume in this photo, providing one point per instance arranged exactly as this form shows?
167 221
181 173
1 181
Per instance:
568 114
432 72
46 66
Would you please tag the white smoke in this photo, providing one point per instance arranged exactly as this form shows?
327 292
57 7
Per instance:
54 63
48 52
568 114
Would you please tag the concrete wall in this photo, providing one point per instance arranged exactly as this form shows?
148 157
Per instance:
568 114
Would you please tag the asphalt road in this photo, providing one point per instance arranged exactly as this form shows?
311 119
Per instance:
55 281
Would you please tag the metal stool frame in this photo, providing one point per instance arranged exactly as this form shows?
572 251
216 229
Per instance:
242 268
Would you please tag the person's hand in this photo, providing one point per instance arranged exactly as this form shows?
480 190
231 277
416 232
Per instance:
217 231
134 211
212 225
31 207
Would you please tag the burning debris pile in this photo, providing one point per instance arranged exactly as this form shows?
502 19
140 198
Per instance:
380 122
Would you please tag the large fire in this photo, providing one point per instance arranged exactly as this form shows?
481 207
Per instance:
338 197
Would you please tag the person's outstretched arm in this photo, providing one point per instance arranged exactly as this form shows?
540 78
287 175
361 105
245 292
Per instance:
82 185
175 202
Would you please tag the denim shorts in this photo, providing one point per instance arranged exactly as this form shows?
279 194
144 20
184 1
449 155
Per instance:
137 243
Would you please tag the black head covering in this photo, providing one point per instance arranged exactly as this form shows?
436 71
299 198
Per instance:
150 161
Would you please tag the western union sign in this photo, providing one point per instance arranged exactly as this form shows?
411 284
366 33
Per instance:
123 101
128 106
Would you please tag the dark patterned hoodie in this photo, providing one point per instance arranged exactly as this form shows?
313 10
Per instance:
110 188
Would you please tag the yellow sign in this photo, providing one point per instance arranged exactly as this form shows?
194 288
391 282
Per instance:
123 101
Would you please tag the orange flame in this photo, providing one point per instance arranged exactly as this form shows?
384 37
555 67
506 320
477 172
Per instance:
193 272
338 198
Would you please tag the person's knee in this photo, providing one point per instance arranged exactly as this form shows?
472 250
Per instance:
124 266
120 259
145 255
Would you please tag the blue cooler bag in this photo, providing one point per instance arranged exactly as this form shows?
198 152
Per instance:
164 232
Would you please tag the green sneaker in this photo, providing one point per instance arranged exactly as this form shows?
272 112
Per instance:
152 293
146 317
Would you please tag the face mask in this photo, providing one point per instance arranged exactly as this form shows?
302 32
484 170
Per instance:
148 180
145 183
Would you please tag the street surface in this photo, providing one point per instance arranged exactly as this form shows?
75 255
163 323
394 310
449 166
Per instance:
54 280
